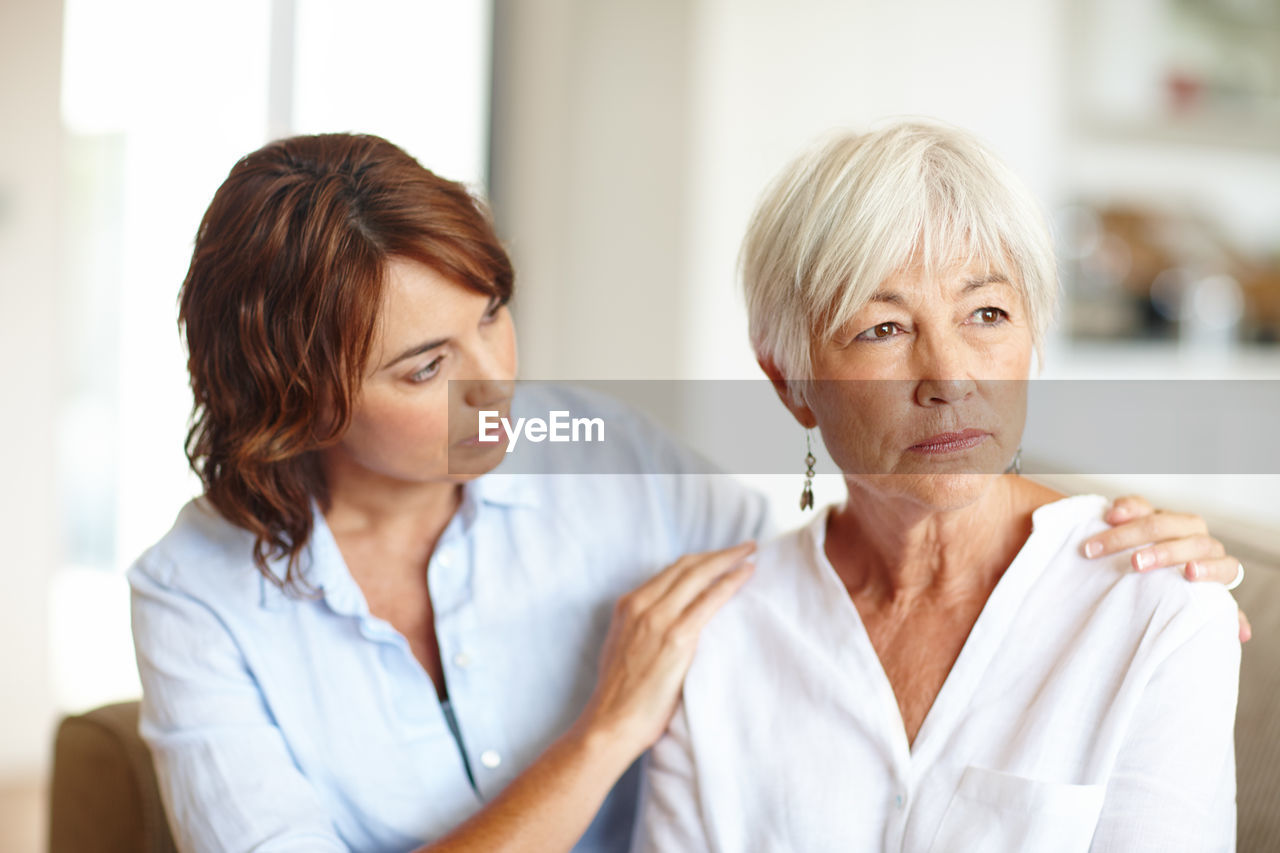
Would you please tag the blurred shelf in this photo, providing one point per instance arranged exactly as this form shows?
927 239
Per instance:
1158 360
1256 132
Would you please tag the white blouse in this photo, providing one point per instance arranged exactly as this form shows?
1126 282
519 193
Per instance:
1090 709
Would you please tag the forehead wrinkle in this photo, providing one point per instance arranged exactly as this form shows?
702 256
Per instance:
892 297
975 283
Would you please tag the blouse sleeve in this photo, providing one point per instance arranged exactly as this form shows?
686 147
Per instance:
226 776
670 818
1173 786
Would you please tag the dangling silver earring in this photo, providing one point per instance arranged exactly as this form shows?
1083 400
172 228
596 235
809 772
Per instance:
806 496
1015 467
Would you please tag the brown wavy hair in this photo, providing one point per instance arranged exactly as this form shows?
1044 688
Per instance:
279 309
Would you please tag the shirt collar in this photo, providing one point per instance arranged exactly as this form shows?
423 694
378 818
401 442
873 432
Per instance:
323 568
513 490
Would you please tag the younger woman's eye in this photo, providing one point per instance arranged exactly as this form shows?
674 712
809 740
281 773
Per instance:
879 332
429 371
990 315
493 310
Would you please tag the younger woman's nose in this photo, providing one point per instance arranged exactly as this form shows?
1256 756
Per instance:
486 393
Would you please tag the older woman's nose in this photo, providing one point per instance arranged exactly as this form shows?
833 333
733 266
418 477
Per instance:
934 392
945 372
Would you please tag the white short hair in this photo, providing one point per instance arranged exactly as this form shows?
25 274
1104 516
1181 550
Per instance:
854 209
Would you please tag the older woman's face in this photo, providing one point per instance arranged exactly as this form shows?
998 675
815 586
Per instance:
928 379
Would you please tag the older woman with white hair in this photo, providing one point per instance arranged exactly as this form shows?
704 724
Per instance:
931 666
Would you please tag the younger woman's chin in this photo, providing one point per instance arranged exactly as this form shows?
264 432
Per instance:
469 462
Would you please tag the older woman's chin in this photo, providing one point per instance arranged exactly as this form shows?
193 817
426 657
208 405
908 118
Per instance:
936 492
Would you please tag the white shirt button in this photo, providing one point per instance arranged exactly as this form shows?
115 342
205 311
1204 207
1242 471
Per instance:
443 560
490 759
462 660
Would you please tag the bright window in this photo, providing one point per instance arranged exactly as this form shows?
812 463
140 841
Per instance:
159 100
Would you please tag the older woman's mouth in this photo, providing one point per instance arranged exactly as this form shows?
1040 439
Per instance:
950 442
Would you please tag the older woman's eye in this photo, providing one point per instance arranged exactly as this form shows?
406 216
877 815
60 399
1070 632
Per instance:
427 372
990 316
879 332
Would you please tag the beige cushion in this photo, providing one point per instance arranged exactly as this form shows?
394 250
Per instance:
103 796
1257 720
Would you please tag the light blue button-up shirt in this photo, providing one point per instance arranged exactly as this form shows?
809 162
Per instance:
279 723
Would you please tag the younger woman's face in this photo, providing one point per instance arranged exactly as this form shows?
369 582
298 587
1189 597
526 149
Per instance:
438 345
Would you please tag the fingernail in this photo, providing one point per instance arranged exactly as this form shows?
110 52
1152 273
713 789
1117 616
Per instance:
1117 514
1193 572
1092 549
1144 559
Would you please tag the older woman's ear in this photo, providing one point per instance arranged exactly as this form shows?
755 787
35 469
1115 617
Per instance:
787 393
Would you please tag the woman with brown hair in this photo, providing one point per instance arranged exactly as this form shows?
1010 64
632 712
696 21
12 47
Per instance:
347 644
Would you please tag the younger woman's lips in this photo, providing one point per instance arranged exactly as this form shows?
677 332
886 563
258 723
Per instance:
474 441
950 442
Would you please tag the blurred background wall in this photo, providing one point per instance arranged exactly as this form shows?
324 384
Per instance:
30 220
622 143
630 141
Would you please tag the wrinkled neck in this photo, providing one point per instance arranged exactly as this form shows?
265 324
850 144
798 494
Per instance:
895 552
